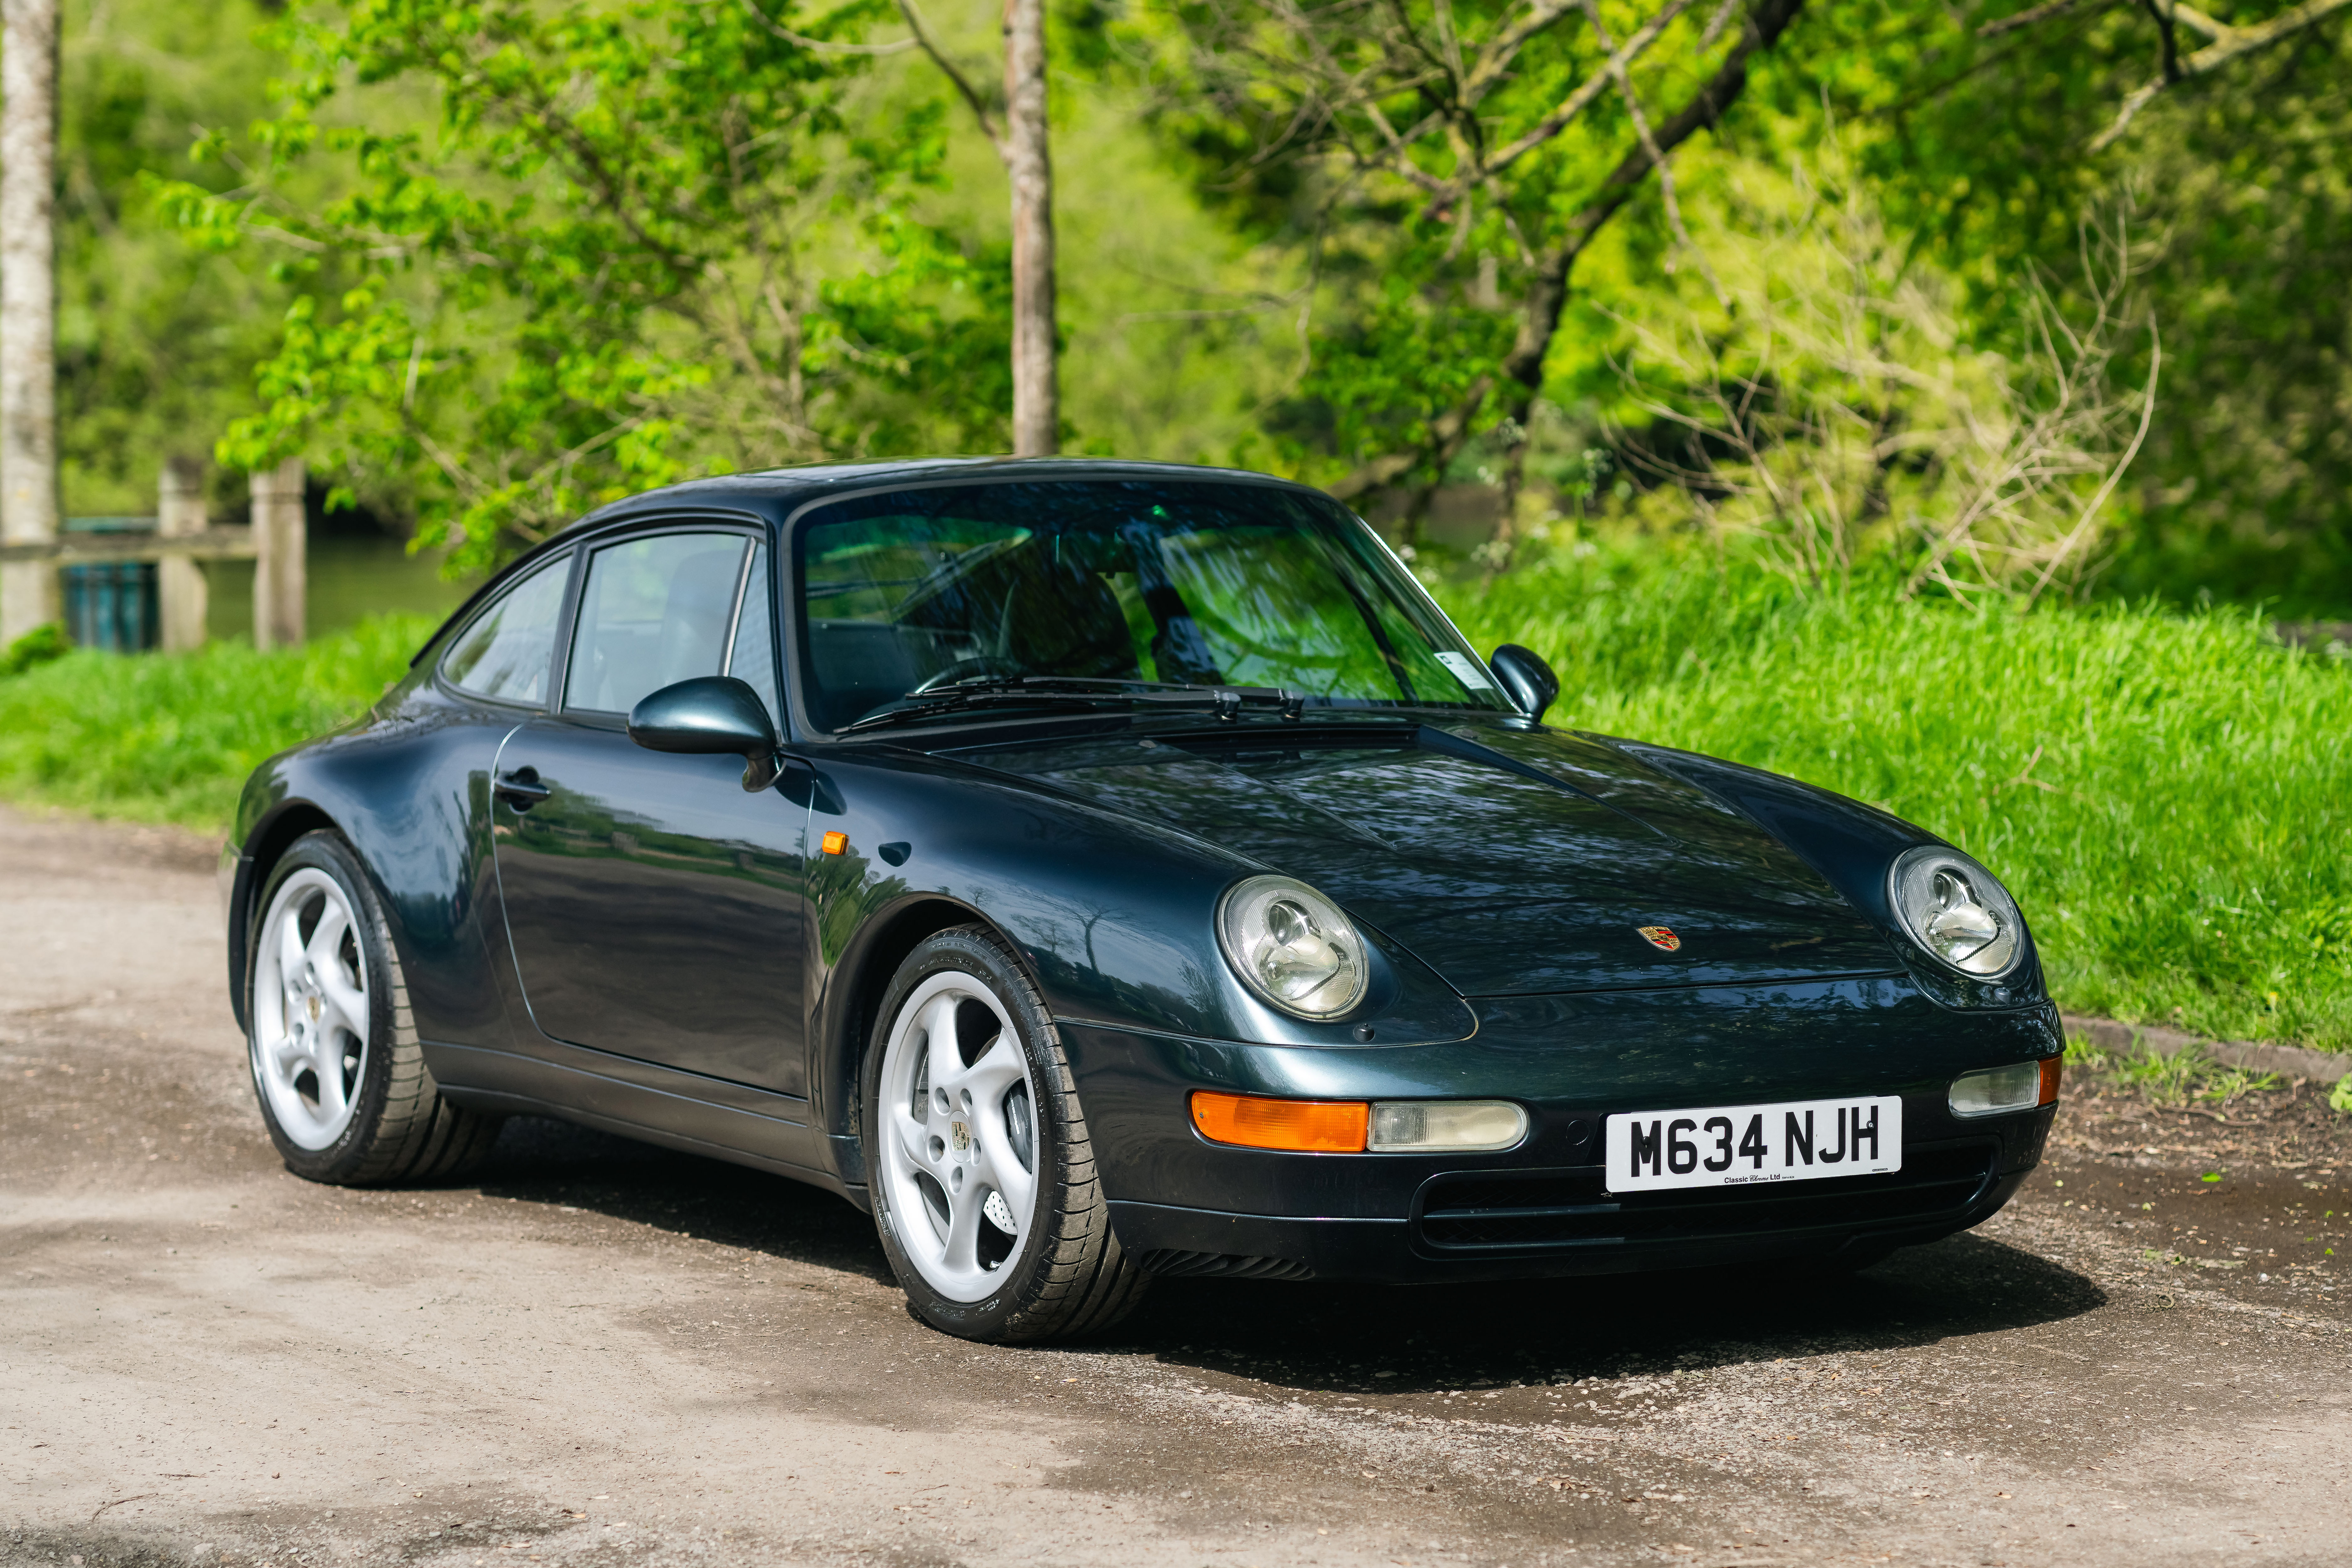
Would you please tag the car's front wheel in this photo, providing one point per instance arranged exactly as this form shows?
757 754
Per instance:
983 1172
336 1065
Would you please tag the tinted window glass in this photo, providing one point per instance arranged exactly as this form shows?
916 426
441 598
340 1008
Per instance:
655 612
1194 584
753 656
505 654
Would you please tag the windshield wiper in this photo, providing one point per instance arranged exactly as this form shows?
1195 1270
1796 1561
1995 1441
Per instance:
992 690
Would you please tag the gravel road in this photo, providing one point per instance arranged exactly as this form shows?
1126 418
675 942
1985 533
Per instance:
602 1353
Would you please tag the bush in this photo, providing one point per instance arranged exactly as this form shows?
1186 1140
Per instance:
37 647
171 737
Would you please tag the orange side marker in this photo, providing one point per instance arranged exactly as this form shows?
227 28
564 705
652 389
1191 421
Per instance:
2051 1068
1305 1126
835 843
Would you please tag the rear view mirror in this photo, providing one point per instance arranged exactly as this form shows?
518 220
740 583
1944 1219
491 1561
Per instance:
1525 677
711 715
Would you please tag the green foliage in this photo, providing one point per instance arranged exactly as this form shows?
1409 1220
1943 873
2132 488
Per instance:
156 340
172 737
590 277
2163 793
1980 147
37 647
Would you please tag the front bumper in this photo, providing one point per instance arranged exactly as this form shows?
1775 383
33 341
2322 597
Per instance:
1187 1206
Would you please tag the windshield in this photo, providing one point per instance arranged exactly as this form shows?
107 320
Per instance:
1172 584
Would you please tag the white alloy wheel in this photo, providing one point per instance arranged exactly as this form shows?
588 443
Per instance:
311 1013
959 1139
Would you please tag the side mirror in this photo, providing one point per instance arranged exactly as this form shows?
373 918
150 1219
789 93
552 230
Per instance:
1525 677
711 715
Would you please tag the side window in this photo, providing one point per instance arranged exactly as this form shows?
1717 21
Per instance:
505 653
753 656
655 612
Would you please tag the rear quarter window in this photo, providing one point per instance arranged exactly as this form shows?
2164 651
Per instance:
507 653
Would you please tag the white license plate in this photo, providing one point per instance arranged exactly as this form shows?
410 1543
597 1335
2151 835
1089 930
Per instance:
1747 1145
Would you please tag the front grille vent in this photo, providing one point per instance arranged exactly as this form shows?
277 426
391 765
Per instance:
1573 1208
1220 1265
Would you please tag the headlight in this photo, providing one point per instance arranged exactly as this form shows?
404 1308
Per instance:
1292 946
1953 908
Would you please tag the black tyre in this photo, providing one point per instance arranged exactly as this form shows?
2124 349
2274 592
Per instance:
982 1172
331 1042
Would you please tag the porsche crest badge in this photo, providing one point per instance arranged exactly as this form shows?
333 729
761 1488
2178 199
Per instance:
1660 937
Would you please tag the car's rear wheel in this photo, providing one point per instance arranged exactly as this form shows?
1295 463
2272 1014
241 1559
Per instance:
983 1172
335 1059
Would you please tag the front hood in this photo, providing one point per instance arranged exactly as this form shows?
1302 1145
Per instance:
1510 860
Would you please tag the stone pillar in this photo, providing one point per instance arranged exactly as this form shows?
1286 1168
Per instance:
179 581
278 578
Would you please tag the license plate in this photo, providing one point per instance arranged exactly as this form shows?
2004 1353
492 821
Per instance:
1747 1145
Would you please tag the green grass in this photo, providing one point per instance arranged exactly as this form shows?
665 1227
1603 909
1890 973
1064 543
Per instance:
2169 796
159 738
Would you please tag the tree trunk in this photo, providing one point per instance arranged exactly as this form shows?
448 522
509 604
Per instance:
1037 392
28 380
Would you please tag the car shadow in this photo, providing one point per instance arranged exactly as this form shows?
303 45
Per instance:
1403 1339
1357 1339
537 1159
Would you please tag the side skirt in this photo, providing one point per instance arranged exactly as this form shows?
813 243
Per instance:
653 1104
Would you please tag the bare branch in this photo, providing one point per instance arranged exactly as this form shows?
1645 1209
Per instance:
2229 44
820 45
1552 124
961 83
1657 157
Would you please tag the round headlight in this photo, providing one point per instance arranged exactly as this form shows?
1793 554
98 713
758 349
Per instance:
1292 946
1952 907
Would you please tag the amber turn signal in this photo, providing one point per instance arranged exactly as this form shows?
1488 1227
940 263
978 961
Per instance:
2051 1068
835 843
1305 1126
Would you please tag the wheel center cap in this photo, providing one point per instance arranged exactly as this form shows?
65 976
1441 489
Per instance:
960 1135
310 1005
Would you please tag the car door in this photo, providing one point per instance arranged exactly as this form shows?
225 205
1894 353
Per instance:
655 910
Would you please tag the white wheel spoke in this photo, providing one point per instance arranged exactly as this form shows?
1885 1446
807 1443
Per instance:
909 1141
289 944
1002 1169
290 1055
328 1070
938 1023
326 949
961 1252
345 1002
987 1079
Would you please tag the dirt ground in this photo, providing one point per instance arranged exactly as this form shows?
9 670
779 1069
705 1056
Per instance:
602 1353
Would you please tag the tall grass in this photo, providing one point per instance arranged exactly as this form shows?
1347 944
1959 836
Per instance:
2169 796
171 738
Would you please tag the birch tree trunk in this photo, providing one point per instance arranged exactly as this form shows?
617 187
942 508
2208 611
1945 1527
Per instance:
28 384
1036 391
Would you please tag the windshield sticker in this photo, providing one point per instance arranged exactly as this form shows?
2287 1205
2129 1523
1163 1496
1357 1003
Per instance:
1467 670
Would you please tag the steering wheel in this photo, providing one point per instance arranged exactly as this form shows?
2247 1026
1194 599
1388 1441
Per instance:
964 668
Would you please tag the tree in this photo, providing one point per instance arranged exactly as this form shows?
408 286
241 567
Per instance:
593 274
1444 142
28 390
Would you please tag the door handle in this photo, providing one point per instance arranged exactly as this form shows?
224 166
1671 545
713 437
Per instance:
521 788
